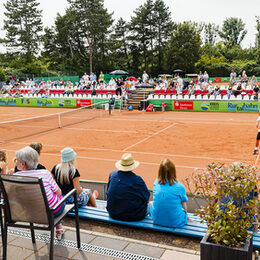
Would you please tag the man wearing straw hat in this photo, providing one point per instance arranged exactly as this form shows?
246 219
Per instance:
127 193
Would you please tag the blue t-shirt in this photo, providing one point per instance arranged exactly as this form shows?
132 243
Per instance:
167 209
127 196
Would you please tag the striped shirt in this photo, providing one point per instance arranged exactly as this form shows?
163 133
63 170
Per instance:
49 184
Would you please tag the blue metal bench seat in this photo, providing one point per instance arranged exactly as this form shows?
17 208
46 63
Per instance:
191 229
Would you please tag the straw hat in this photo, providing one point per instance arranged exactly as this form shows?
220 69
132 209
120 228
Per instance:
68 154
127 163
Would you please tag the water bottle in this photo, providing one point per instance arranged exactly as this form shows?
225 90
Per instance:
256 255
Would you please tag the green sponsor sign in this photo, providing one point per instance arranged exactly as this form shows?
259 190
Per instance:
54 102
227 106
209 105
38 102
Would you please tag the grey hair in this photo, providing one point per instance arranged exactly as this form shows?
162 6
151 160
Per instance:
29 156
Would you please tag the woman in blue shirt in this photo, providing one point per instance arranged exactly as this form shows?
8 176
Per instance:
169 207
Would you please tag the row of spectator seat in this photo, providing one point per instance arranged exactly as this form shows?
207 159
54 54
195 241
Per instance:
202 97
199 92
103 96
26 91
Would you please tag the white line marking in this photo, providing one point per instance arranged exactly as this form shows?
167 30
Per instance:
71 128
102 130
173 119
136 152
145 139
111 160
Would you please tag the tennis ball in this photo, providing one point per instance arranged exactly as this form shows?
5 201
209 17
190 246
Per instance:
230 119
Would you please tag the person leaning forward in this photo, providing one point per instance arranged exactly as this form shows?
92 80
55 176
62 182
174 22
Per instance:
127 193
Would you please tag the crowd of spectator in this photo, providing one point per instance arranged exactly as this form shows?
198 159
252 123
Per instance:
203 86
93 85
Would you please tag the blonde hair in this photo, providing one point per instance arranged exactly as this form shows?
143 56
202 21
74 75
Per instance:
167 172
64 171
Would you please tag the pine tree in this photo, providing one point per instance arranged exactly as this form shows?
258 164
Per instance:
23 25
94 22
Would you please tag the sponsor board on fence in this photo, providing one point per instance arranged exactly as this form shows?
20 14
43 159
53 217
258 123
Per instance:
227 106
183 105
38 102
8 102
211 105
66 102
83 102
45 102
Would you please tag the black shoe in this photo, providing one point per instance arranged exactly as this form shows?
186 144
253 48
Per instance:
255 151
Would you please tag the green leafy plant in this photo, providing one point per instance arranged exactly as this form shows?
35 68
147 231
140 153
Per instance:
230 210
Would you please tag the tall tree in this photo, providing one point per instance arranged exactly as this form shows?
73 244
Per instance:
151 27
94 22
210 33
163 27
119 45
140 29
23 26
233 31
183 48
257 30
258 39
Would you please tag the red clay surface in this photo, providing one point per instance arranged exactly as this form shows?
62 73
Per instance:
190 139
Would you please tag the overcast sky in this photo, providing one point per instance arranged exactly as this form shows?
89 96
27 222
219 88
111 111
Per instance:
209 11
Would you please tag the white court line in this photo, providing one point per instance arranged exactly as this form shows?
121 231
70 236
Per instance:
102 130
111 160
75 129
136 152
28 126
145 139
172 119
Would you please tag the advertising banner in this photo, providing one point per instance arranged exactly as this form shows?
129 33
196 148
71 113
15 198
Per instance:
83 102
38 102
183 105
211 105
227 106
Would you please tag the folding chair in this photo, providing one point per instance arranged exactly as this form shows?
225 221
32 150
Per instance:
25 201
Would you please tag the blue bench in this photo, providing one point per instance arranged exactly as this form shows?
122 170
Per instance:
192 229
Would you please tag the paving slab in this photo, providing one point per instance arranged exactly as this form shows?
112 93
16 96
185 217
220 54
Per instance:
84 238
144 250
90 256
14 252
27 243
174 255
109 243
59 250
41 256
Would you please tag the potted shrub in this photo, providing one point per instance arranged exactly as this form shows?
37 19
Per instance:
232 203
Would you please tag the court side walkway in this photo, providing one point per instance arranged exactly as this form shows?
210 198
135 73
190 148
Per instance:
94 246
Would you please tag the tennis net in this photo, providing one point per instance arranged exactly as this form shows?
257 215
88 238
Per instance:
26 127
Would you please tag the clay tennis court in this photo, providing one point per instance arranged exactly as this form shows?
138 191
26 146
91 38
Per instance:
190 139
